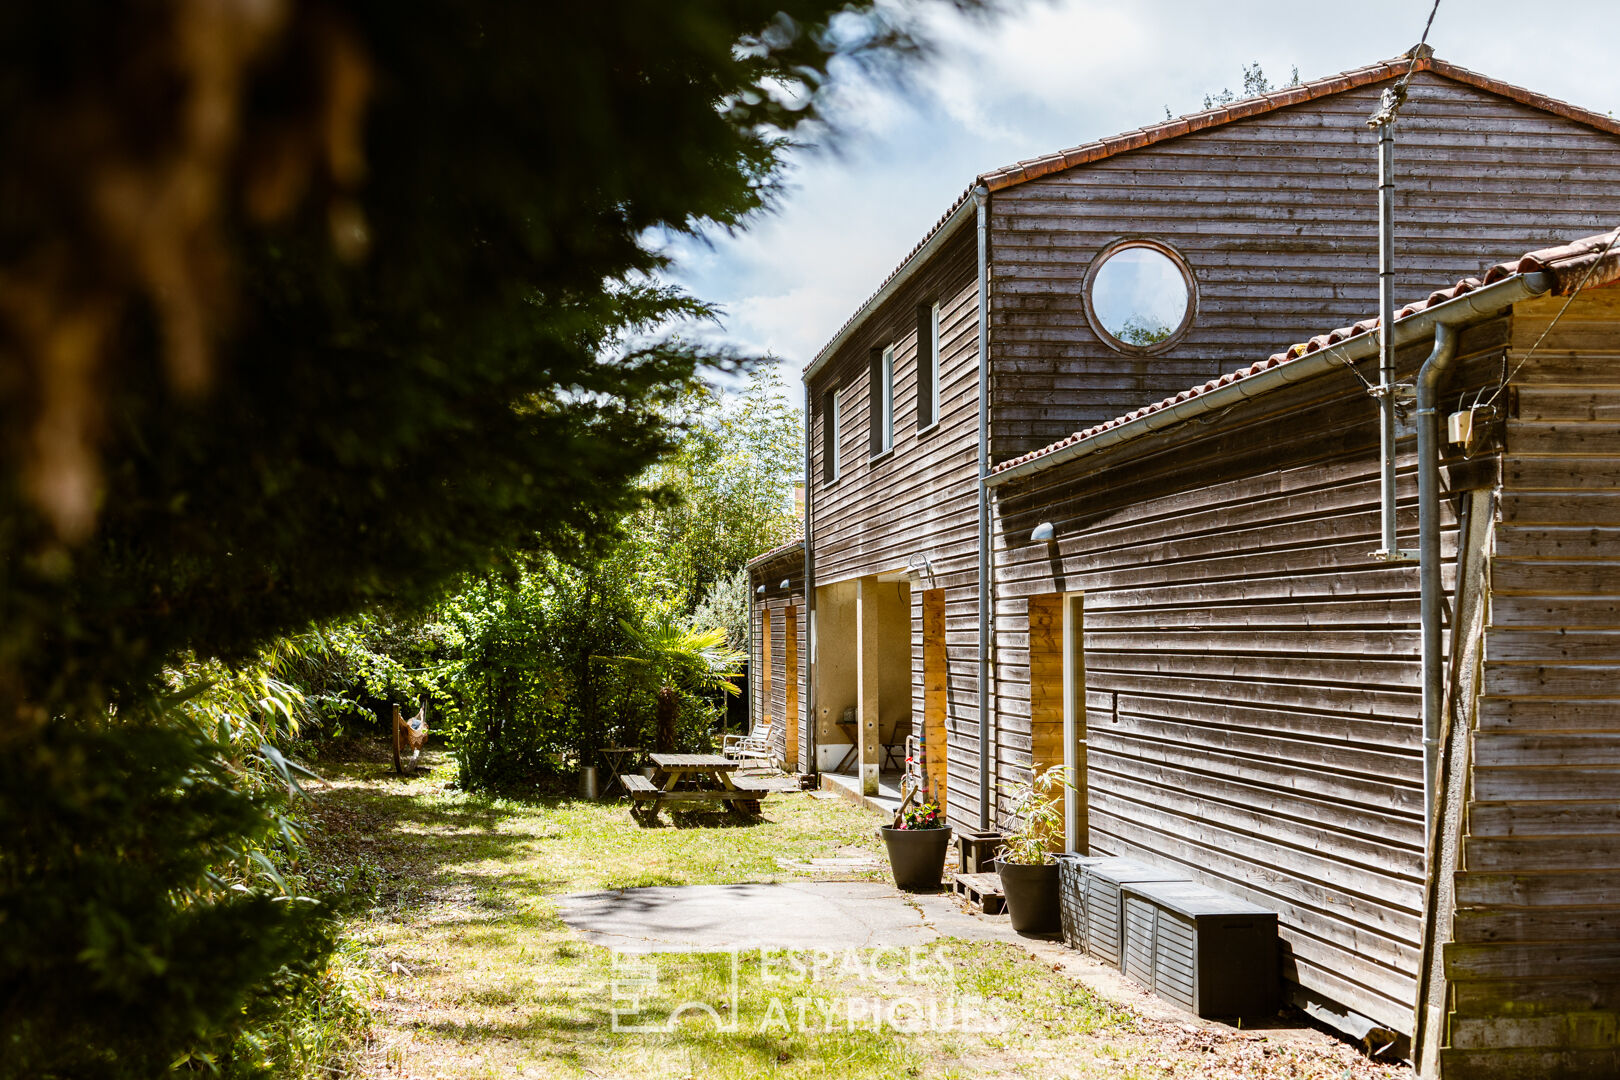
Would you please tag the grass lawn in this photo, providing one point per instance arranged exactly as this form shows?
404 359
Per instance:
452 898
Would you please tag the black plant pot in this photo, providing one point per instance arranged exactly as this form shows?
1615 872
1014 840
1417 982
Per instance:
1032 896
917 857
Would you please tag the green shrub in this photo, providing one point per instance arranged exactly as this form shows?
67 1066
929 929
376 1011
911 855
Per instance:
138 925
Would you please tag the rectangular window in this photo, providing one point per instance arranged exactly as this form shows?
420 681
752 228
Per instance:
927 365
829 435
888 398
880 399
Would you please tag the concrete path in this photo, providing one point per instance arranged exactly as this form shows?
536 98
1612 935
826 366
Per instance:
792 915
836 915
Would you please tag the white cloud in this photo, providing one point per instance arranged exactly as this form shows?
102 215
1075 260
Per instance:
1051 75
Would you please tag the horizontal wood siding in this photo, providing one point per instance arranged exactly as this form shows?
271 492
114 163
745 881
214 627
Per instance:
787 566
1534 962
1252 674
920 497
1276 217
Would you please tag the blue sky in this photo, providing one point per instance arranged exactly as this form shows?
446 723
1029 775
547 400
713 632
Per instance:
1050 74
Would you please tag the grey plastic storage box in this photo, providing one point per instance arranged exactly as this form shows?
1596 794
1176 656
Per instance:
1104 915
1072 896
1204 950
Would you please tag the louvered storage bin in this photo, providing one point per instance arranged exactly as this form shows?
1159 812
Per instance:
1072 897
1101 885
1204 950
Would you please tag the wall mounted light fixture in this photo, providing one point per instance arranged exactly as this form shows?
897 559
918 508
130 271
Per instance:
1043 533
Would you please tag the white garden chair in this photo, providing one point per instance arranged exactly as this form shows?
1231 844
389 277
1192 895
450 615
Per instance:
755 746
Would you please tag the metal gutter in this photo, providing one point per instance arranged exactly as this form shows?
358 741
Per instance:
946 229
1484 301
981 203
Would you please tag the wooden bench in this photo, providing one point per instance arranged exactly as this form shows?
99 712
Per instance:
638 786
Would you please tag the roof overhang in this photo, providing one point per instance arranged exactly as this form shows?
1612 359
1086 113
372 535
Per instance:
796 544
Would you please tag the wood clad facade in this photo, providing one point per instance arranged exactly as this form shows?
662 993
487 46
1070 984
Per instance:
1276 217
776 651
918 499
1253 695
1251 692
1534 960
1251 671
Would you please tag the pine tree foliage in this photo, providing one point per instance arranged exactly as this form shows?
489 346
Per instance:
391 313
308 305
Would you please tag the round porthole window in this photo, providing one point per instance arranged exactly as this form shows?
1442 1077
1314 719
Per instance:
1140 296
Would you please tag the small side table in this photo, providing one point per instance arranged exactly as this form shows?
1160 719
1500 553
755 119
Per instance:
619 760
852 728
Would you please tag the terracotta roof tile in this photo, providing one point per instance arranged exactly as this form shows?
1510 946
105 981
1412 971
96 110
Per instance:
781 549
1568 264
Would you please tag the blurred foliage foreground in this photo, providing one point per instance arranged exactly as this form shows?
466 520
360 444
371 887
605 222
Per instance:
317 307
153 876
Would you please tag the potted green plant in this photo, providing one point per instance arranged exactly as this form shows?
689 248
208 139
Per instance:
1028 869
917 843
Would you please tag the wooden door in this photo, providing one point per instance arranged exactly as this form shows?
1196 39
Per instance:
1057 703
934 744
790 714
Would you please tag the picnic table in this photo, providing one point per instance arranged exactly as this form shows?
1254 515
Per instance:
692 778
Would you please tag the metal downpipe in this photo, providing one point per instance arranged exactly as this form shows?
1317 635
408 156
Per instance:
1429 377
981 200
808 754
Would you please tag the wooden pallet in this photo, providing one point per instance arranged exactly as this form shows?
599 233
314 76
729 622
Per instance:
981 891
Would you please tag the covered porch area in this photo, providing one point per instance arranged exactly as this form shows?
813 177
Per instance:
863 682
885 800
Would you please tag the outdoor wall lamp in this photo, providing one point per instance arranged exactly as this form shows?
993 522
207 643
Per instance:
784 584
760 591
1043 533
920 565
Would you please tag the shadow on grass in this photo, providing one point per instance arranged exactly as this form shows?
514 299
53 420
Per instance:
381 841
702 819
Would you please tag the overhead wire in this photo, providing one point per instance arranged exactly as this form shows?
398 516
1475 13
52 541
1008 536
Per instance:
1508 378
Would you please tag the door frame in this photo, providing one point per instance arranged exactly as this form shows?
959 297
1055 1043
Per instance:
1076 815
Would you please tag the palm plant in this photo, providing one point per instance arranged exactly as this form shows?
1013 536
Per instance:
681 658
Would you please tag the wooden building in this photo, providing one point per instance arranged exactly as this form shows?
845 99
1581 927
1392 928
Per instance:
1241 683
777 652
1206 611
